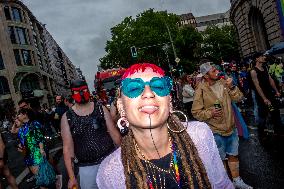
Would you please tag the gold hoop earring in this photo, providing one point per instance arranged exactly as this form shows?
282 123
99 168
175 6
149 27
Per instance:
186 119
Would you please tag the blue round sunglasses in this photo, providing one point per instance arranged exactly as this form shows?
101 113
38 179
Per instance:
132 88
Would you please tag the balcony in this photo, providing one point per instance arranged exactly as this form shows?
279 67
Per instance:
38 93
26 69
32 93
5 97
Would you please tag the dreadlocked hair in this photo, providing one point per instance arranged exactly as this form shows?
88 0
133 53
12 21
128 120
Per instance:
191 163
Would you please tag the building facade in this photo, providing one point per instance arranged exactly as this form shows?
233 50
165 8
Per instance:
32 65
219 19
257 23
80 73
187 20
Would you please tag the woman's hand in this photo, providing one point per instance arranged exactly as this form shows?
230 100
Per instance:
72 183
42 152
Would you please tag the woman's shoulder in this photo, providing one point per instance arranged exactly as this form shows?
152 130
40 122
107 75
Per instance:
199 132
196 127
111 172
35 124
112 160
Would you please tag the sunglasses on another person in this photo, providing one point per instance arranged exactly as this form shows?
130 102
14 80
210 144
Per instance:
132 88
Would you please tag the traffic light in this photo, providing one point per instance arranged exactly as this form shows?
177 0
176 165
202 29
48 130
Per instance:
133 52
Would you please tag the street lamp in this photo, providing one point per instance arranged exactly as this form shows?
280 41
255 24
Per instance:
177 60
165 49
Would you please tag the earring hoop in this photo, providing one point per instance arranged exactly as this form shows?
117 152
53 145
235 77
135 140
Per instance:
185 127
123 125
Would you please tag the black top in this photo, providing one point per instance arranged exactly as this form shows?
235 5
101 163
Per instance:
170 180
263 80
92 142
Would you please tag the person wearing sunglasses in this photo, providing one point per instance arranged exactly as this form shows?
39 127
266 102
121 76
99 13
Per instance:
159 151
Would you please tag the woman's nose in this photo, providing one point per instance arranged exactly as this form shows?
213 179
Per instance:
148 93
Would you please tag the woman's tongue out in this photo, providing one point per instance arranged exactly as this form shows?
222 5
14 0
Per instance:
148 109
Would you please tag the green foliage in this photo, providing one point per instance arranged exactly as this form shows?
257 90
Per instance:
148 33
220 43
188 44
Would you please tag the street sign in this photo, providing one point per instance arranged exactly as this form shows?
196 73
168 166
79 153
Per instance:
177 60
133 52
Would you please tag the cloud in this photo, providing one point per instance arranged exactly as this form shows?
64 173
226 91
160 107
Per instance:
82 27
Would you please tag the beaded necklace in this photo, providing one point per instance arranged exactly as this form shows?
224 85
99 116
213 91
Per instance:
157 175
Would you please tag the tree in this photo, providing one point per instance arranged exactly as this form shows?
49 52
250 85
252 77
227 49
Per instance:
188 43
220 43
149 34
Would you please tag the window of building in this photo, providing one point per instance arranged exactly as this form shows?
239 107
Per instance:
4 86
16 14
27 57
12 35
7 13
17 57
29 83
21 33
2 66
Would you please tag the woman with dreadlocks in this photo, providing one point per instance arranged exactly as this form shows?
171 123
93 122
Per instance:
159 151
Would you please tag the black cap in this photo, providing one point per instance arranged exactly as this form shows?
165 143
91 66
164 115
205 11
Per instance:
78 83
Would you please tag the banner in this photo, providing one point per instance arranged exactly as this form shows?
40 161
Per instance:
280 9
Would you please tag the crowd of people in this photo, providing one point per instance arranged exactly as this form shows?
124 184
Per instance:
261 83
32 128
140 141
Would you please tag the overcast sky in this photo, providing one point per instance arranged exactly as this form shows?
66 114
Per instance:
82 27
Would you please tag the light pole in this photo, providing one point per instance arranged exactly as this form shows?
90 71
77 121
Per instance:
165 48
177 60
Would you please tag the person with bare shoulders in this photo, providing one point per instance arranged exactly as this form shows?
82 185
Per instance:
265 92
89 135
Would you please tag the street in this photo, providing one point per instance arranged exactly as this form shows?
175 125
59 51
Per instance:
261 167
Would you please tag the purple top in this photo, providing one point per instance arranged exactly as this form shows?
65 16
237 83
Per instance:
111 174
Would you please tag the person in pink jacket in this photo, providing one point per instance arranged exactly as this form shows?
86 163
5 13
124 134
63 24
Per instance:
159 151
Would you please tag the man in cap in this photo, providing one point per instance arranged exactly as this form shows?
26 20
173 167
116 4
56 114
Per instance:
89 135
212 104
265 92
